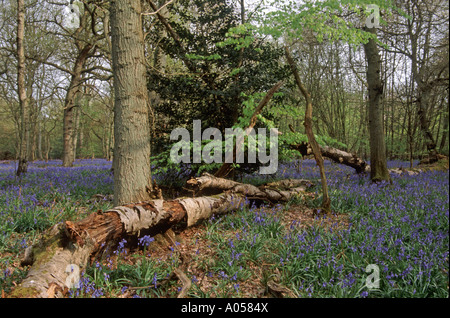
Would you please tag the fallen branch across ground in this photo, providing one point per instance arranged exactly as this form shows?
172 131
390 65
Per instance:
336 155
73 245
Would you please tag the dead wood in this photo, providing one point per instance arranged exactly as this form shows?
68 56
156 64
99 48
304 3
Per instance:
185 281
71 245
336 155
429 160
345 158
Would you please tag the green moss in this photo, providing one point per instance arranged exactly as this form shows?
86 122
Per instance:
440 165
47 248
24 292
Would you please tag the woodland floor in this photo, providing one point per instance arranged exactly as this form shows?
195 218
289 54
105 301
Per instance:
270 251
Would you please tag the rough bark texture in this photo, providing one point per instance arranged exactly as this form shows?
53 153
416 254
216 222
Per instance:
423 106
132 174
420 55
378 162
82 242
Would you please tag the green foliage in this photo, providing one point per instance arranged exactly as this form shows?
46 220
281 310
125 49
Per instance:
401 227
291 138
176 173
221 67
329 141
325 19
206 58
240 37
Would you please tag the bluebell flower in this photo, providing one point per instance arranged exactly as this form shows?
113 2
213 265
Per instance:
155 279
145 240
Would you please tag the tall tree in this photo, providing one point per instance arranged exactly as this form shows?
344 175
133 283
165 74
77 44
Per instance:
378 164
23 100
86 39
423 39
69 104
325 21
132 173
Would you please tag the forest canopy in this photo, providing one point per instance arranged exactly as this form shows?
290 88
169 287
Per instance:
198 68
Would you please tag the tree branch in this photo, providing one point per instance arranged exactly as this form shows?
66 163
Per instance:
157 11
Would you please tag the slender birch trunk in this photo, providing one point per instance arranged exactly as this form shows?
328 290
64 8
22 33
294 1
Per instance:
23 100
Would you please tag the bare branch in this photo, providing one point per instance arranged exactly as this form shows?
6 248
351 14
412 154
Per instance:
157 11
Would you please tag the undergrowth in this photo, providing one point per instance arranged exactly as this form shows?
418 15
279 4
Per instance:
398 231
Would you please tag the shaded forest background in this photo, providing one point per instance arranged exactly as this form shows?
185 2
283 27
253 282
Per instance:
195 75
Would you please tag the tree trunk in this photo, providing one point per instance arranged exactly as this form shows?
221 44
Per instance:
445 130
421 55
132 174
69 104
24 108
378 163
32 113
73 245
423 101
76 128
326 202
39 141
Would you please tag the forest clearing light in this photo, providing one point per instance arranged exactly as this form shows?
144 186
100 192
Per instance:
212 151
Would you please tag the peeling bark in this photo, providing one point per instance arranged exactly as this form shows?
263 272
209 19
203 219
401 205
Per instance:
346 158
80 243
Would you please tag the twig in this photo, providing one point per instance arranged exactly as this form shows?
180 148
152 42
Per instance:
157 11
186 283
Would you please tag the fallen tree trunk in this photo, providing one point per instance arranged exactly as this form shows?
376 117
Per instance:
68 246
337 155
346 158
351 160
